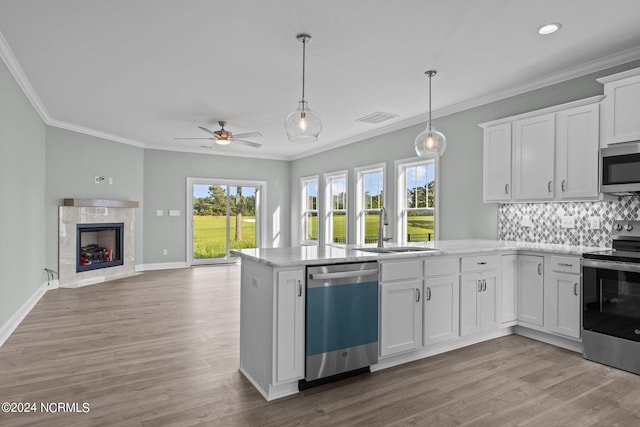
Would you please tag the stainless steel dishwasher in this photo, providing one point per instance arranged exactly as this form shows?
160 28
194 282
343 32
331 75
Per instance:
341 319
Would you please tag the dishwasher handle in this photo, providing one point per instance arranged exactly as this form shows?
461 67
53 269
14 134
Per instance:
342 274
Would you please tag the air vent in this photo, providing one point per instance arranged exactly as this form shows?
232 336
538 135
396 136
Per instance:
376 117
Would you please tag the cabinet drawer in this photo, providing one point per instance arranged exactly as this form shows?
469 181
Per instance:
437 266
565 264
399 270
479 263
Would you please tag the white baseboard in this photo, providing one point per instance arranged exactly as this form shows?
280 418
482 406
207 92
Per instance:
14 321
161 266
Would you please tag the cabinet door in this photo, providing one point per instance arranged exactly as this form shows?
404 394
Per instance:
441 306
470 287
577 145
400 316
507 295
497 163
565 313
621 106
488 316
289 346
534 149
531 289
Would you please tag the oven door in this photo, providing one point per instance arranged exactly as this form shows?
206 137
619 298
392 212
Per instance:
611 298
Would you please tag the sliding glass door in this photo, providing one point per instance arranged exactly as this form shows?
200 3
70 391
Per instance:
223 215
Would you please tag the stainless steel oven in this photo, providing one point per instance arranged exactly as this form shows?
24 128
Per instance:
611 300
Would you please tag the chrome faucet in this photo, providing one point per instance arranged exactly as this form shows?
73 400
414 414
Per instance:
383 220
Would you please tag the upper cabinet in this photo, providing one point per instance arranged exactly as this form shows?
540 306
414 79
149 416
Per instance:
497 163
534 150
621 107
544 155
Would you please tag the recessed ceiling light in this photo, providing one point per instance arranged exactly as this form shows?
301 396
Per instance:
549 28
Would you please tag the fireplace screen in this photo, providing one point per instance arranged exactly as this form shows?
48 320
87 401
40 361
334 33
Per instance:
99 246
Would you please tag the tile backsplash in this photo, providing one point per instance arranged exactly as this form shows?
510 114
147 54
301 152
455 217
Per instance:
546 221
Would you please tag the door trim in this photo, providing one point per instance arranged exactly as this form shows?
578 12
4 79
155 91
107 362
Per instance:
261 210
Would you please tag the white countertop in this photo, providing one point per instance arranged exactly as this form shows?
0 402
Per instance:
328 254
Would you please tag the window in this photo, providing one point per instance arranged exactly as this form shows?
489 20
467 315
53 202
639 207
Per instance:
370 198
309 210
417 191
336 214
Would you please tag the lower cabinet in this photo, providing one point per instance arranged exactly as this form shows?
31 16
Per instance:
508 294
565 306
441 309
289 345
400 316
531 289
478 302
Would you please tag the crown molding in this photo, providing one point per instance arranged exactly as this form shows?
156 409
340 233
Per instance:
21 78
96 133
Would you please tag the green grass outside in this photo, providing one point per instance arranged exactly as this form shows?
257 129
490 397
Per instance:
419 227
209 235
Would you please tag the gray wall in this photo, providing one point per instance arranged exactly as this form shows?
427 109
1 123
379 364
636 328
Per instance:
463 215
165 187
73 160
22 178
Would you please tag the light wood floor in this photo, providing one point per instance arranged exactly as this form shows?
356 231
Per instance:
162 349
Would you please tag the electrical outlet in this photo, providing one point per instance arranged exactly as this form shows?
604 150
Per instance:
174 213
159 212
110 181
594 223
165 252
526 221
568 222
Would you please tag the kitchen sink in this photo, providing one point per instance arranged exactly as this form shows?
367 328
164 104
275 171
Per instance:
396 249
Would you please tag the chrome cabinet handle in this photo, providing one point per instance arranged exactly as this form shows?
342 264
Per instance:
564 264
562 185
549 186
575 289
484 285
299 288
417 295
506 189
482 263
540 269
428 294
479 283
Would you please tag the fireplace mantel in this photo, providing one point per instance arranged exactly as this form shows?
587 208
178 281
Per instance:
101 203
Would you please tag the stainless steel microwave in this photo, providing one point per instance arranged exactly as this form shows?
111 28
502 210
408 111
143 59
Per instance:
620 169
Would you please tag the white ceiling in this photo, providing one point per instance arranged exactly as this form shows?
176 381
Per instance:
147 71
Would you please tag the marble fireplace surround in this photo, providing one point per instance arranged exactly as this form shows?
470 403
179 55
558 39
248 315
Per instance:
91 211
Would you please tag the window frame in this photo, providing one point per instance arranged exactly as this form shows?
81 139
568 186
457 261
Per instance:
401 167
304 211
328 210
359 208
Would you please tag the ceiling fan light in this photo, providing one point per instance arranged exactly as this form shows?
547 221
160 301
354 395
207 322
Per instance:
303 124
223 141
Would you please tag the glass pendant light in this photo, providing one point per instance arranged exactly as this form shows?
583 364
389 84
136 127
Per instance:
430 141
303 125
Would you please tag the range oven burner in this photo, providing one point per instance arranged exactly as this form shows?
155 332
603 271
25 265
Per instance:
611 300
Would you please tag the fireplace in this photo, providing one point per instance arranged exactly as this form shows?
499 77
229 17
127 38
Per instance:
99 245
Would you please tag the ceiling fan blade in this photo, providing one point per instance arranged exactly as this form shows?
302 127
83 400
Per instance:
249 143
177 139
208 131
247 135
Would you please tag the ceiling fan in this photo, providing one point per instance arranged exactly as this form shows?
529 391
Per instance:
224 137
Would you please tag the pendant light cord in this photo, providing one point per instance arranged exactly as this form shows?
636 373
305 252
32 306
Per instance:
304 51
430 75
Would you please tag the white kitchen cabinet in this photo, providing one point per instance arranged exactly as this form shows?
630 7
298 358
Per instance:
565 299
478 302
508 289
497 163
290 306
530 271
577 145
534 153
400 316
441 309
621 107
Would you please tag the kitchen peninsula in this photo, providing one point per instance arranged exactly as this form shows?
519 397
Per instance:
448 295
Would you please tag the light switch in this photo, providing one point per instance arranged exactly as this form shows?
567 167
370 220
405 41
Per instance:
526 221
568 222
159 212
174 213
